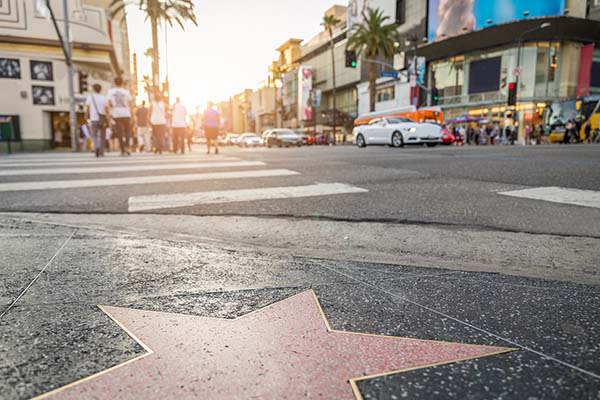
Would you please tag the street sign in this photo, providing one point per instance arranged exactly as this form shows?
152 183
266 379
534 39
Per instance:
389 74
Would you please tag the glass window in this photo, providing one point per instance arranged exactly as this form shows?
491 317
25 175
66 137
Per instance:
386 94
10 68
448 77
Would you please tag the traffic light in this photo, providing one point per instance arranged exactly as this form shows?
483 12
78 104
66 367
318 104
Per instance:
83 82
435 96
165 89
512 94
351 59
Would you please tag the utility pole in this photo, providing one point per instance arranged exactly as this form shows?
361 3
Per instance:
67 51
69 60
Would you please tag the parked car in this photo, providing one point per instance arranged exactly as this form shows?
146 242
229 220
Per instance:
249 140
282 138
397 132
447 137
231 139
304 137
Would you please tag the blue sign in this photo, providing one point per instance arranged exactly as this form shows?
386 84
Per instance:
447 18
389 74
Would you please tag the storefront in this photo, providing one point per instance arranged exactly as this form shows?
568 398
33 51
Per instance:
472 72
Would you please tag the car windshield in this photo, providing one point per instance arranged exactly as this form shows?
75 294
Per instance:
398 120
286 133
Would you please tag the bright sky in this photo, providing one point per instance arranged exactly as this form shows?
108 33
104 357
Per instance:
232 47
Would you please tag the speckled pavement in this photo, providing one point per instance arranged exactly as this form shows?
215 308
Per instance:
52 332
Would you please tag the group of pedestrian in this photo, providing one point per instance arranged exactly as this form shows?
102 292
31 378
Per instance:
157 128
110 113
494 134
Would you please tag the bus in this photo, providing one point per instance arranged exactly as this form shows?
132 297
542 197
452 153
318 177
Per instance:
583 110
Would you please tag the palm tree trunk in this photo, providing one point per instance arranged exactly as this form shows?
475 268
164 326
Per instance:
372 74
334 86
155 60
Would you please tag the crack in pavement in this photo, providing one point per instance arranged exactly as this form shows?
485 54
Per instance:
324 218
11 305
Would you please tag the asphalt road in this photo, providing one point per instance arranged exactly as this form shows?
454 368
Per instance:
417 243
446 186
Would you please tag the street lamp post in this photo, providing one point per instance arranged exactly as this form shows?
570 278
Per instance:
518 69
542 26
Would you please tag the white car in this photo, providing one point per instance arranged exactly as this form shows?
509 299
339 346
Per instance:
249 140
397 132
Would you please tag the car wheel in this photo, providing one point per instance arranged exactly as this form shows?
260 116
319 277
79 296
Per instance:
360 141
397 140
431 144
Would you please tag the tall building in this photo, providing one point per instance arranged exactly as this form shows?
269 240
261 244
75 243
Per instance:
411 18
314 81
33 73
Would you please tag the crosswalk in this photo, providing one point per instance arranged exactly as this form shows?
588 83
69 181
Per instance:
553 194
149 182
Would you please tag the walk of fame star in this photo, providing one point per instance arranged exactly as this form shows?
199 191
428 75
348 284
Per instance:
284 351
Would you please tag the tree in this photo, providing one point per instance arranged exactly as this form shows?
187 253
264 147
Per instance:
329 23
373 38
167 11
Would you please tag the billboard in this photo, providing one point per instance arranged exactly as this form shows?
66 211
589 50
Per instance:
305 98
447 18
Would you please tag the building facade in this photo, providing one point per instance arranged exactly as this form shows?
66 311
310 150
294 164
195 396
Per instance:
546 50
316 57
411 18
33 74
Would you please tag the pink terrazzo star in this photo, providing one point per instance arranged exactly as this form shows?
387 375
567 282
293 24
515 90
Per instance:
284 351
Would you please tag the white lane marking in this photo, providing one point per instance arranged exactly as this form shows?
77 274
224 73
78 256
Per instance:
129 168
110 161
578 197
139 180
154 202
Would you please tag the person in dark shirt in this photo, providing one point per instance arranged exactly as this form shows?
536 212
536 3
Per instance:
143 128
211 122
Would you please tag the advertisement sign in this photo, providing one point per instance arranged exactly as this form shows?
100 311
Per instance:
356 8
318 97
417 71
305 100
585 70
447 18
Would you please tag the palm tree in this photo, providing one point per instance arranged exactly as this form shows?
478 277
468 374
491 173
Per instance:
373 38
329 23
167 11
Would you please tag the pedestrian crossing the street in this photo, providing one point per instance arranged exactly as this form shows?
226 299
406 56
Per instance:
157 177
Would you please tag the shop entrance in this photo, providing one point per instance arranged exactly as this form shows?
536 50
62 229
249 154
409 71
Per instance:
61 128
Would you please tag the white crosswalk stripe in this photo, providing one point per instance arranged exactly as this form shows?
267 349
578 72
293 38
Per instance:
130 168
138 180
154 202
107 161
577 197
38 173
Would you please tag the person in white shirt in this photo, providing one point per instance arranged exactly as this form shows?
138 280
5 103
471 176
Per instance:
158 120
119 100
179 124
95 112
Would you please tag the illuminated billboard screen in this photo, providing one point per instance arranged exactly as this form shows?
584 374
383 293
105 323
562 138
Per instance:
449 18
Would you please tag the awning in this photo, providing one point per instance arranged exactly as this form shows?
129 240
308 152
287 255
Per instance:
562 28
